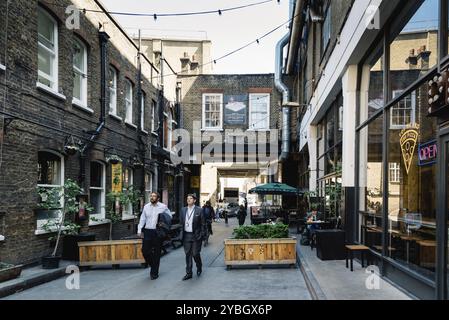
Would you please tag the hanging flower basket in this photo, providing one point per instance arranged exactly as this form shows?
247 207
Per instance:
113 159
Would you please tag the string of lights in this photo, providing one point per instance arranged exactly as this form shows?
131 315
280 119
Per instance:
233 51
178 14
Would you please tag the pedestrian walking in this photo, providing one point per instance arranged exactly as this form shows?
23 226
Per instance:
241 215
209 215
193 232
153 227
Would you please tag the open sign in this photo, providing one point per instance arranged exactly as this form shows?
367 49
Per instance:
428 153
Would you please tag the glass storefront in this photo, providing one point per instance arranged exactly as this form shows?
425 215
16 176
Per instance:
412 184
398 171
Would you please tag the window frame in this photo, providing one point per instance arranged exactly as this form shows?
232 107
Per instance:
125 212
82 102
113 90
149 176
142 112
62 175
129 105
153 116
54 80
395 94
168 120
204 127
251 124
102 214
326 26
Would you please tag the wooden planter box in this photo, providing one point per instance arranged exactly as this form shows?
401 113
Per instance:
10 273
260 251
116 252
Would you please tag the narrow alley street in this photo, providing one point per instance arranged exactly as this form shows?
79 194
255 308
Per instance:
216 283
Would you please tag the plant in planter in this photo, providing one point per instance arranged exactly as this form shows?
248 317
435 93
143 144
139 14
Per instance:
9 271
113 210
114 159
261 244
64 224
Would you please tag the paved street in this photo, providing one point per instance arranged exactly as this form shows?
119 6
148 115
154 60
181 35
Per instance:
215 283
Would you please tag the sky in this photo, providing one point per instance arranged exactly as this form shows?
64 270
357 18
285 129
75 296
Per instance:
231 30
425 18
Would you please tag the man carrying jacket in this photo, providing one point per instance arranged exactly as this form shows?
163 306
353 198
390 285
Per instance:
153 213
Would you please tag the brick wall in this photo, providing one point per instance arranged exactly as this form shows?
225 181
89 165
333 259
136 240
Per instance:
50 120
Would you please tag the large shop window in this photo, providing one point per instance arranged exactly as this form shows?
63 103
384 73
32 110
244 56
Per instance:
50 173
97 194
330 160
79 73
371 182
412 198
414 49
372 94
259 109
212 111
128 180
112 91
47 50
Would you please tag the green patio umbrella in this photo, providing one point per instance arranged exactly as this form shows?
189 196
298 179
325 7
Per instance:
275 188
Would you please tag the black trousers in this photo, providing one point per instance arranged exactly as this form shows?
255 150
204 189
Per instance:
192 249
151 250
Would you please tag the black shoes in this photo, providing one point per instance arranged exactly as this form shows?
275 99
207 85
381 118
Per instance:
198 272
154 277
187 277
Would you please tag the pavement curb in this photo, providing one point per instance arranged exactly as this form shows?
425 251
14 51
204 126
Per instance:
312 284
32 281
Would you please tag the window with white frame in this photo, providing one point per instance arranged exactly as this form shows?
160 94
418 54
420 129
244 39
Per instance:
128 180
212 111
50 175
47 50
148 186
97 192
129 101
153 115
142 112
79 73
395 173
112 91
327 29
259 111
403 113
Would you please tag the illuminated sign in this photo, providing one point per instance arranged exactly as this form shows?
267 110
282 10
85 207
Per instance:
408 139
427 153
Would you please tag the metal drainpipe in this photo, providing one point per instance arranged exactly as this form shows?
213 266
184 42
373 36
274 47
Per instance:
282 87
104 38
285 98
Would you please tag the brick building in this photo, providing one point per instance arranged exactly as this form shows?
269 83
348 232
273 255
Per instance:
89 87
212 105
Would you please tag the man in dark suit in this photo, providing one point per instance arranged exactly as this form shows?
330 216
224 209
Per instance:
193 225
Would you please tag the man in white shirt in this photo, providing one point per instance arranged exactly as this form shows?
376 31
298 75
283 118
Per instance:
152 244
193 225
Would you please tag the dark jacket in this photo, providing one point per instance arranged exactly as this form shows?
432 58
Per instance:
199 223
209 213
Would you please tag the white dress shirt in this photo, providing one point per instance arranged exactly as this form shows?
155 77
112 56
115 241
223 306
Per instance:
150 215
188 226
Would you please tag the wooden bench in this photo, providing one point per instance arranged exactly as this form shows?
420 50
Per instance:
350 249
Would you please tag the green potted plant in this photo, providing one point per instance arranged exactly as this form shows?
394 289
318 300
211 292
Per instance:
260 244
64 224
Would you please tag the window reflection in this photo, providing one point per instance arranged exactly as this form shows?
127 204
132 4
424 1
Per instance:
371 183
412 188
